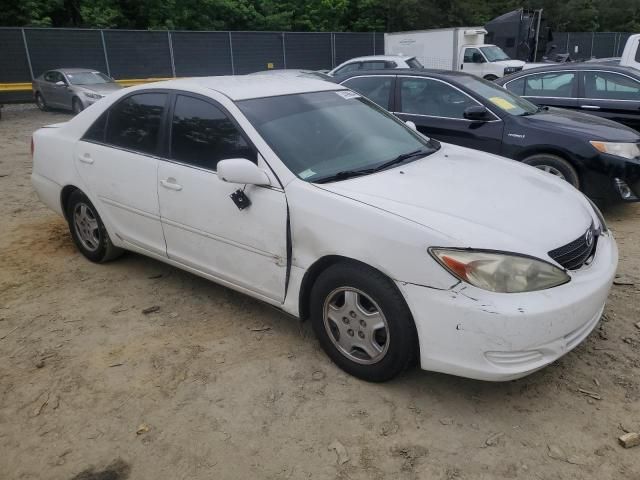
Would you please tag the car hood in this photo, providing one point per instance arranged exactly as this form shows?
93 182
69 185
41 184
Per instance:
472 199
102 89
591 126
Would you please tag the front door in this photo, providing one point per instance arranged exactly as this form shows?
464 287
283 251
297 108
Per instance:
611 95
203 227
553 89
117 161
437 108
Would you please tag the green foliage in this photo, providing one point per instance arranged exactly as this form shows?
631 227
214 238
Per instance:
312 15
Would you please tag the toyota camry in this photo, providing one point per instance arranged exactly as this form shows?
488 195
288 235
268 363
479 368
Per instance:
303 194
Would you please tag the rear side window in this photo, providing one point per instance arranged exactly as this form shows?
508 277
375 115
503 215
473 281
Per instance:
376 89
202 135
516 86
134 123
610 86
414 63
553 84
350 67
380 65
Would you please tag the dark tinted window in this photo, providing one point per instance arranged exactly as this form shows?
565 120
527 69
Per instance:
97 131
202 135
468 54
374 88
424 96
134 123
380 65
610 86
351 67
516 86
50 76
552 84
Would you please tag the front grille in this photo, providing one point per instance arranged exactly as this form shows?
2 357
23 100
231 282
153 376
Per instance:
574 255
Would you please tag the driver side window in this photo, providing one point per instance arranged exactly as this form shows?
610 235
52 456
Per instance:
469 53
433 98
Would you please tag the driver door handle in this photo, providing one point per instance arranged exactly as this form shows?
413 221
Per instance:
85 158
170 183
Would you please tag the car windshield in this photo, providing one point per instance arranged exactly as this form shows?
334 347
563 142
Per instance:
498 96
414 63
322 136
494 54
88 78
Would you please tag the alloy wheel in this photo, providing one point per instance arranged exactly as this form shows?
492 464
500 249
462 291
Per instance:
86 226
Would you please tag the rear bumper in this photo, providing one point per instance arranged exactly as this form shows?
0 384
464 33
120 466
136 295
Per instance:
478 334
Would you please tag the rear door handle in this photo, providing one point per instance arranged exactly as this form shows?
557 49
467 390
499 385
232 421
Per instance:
171 184
590 107
85 158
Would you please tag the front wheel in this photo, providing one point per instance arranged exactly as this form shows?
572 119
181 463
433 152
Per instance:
40 102
556 166
362 322
77 106
87 230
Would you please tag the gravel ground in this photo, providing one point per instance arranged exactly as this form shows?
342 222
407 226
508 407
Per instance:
216 385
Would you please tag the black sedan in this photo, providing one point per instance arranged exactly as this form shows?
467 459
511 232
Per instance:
603 89
598 156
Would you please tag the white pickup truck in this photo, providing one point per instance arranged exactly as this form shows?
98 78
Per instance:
460 49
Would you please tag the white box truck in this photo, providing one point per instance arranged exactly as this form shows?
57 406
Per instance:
460 49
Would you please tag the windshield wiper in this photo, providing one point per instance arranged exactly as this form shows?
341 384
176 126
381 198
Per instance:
401 158
345 174
538 110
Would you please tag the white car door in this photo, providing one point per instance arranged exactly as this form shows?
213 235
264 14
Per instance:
472 63
203 227
117 160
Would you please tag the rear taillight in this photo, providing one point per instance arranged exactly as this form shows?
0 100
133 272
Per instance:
32 147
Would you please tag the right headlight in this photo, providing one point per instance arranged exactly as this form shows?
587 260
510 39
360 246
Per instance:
624 150
500 272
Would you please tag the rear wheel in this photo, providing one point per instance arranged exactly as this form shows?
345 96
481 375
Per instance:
40 102
556 166
87 230
362 322
77 106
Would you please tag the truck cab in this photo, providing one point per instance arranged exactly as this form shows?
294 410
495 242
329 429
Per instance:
631 53
487 61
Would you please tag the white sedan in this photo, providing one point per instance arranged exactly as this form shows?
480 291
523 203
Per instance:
305 195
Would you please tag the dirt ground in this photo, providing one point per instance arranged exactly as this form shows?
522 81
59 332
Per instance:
216 385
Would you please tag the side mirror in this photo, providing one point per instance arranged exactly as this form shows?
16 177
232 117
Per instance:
411 125
60 83
477 58
243 171
476 113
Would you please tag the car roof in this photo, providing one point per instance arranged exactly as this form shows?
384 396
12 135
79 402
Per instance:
243 87
379 57
73 70
571 66
412 72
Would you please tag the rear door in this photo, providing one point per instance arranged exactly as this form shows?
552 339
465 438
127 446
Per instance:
437 108
117 159
553 89
611 95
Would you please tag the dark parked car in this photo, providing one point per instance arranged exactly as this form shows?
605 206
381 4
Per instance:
599 156
600 87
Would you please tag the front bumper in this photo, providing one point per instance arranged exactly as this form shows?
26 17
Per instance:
475 333
611 177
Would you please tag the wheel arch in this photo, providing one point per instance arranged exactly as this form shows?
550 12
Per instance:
314 271
549 150
65 193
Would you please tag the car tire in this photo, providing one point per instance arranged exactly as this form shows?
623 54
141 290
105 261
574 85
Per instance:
363 322
41 103
87 230
76 105
555 166
490 78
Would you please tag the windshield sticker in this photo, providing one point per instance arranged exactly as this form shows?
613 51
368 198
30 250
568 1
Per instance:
307 173
347 94
502 103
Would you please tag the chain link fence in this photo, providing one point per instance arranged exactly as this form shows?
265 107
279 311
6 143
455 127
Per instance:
586 45
25 53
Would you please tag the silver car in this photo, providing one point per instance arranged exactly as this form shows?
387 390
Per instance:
71 88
